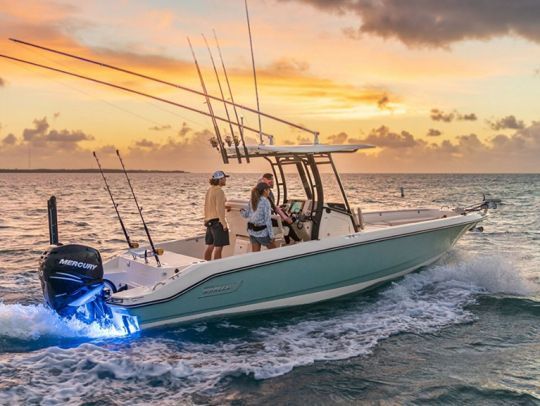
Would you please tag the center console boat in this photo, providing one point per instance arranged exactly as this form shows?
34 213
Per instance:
336 251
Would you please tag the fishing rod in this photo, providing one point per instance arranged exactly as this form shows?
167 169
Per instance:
240 128
101 82
224 104
164 82
224 155
254 72
115 205
140 211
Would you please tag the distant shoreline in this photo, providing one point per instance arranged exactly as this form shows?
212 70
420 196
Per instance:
246 173
86 171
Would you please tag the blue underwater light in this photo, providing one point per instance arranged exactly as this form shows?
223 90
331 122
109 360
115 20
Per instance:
122 320
131 324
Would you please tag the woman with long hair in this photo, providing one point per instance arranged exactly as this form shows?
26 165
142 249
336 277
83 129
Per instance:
259 215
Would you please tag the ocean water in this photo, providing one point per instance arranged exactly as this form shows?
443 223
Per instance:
462 331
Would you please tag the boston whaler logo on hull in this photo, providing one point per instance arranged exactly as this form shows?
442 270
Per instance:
77 264
220 289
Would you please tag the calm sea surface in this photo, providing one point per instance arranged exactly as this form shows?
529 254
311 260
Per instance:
464 330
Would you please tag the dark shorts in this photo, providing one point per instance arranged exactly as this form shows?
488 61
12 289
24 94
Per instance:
260 240
216 235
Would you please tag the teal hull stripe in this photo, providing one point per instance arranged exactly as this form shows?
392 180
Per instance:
308 254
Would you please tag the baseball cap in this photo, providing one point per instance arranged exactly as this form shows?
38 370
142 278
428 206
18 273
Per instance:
219 175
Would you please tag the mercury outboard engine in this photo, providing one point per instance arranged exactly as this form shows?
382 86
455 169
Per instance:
72 281
71 276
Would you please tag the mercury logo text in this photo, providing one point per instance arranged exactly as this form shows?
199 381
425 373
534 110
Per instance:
77 264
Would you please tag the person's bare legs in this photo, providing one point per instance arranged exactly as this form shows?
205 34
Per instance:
208 252
272 245
255 247
217 252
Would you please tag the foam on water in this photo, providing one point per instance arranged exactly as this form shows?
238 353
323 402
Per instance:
494 274
175 368
31 322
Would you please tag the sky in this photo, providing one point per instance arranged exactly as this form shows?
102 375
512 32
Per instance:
447 86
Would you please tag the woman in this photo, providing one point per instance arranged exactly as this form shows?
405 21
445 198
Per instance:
259 218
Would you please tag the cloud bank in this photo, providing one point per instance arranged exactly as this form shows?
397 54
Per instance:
397 151
424 23
64 148
400 151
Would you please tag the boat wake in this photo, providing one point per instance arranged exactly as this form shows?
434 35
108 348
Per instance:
202 358
33 322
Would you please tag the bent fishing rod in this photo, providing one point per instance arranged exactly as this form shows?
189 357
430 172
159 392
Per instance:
164 82
154 251
115 205
126 89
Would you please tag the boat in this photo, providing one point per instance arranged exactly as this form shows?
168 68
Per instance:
339 250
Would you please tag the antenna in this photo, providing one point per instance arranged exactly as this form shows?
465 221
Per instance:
216 127
140 211
234 139
254 73
241 127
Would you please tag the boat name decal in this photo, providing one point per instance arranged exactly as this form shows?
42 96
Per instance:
77 264
220 289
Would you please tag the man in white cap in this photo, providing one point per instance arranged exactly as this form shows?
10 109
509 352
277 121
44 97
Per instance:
217 230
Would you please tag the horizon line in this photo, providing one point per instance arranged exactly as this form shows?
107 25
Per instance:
112 170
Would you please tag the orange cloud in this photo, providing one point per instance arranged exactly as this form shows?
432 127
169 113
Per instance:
57 26
309 95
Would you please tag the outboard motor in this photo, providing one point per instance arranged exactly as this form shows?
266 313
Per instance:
72 281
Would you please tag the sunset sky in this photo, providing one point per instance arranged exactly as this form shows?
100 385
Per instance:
437 86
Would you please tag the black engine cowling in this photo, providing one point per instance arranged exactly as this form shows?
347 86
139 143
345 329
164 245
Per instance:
71 277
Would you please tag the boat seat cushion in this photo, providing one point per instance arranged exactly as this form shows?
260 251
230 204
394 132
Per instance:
170 258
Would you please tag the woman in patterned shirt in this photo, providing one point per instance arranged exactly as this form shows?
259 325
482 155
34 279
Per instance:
259 214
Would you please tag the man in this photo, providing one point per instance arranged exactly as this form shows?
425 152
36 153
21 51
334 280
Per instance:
268 178
217 230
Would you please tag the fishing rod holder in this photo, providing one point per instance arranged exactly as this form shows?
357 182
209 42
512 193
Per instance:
53 221
145 253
